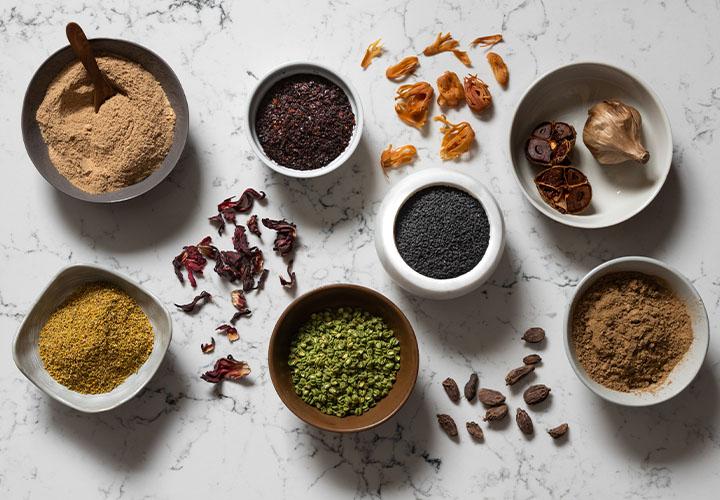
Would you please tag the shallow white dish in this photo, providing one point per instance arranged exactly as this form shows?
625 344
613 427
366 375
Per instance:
407 277
565 94
684 373
295 68
25 348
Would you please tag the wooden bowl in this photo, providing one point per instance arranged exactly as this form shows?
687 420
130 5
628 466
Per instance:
334 296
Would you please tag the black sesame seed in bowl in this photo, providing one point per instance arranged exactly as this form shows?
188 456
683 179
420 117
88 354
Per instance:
439 234
304 120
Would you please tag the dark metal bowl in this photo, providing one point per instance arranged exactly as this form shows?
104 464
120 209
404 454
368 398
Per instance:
37 149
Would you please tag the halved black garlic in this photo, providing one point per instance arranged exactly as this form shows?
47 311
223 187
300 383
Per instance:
550 144
564 188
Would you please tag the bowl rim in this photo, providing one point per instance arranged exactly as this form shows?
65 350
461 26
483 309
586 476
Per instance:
365 290
288 69
591 277
412 280
122 277
128 192
561 218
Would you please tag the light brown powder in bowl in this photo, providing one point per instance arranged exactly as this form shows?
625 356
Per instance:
629 331
123 143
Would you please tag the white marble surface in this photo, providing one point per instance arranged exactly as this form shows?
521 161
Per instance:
183 437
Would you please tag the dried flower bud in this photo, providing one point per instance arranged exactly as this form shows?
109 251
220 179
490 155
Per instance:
477 94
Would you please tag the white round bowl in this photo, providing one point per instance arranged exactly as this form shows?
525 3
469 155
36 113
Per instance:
407 277
295 68
565 94
685 371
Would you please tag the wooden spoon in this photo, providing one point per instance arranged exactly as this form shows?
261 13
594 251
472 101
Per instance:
103 89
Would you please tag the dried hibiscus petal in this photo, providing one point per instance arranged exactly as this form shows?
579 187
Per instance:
192 261
229 331
285 237
226 369
240 302
252 225
413 102
209 347
401 70
289 283
457 138
245 202
217 220
393 158
201 299
240 241
261 280
487 41
477 94
499 68
450 89
207 249
446 43
373 50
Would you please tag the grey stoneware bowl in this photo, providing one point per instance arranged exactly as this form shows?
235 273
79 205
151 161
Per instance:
37 149
27 356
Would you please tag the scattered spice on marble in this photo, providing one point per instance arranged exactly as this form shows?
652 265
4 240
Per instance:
229 331
403 69
190 260
550 143
613 133
343 361
122 143
226 369
471 387
289 283
374 50
252 225
487 41
559 431
412 103
516 374
239 301
457 139
393 158
209 347
448 424
496 413
198 301
95 339
534 335
524 422
285 237
629 331
477 94
564 188
499 68
450 90
442 232
304 122
475 431
532 359
229 208
446 43
451 389
262 279
490 397
536 394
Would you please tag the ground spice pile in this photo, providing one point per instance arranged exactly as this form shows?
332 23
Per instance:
96 339
629 331
121 144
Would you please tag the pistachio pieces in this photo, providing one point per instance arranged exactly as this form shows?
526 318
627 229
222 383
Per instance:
452 390
536 394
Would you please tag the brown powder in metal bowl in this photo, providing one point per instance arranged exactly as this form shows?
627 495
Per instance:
629 331
121 144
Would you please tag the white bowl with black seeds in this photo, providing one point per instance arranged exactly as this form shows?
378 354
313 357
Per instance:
439 234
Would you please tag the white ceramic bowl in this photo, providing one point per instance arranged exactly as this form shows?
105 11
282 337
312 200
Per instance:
295 68
407 277
25 348
566 94
684 373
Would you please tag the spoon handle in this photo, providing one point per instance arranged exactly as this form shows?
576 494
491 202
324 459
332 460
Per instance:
83 51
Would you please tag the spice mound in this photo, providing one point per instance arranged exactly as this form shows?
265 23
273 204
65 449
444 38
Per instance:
96 339
629 331
121 144
442 232
304 122
344 361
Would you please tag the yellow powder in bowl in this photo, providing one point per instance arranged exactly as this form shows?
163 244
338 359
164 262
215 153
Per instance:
121 144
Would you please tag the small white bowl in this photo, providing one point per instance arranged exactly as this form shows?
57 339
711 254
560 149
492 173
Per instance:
295 68
565 94
685 371
25 348
407 277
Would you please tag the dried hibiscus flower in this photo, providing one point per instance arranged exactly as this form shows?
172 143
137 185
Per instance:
393 158
291 283
240 302
252 225
201 299
285 237
207 249
450 90
457 138
413 102
405 67
228 208
209 347
373 50
477 94
192 261
499 68
487 41
446 43
229 331
217 220
226 369
261 280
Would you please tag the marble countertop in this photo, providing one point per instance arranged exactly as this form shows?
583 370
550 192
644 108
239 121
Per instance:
183 437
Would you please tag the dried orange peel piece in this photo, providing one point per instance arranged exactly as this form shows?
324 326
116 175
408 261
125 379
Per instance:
487 41
374 50
393 158
413 102
450 89
457 138
499 68
477 94
402 69
446 43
